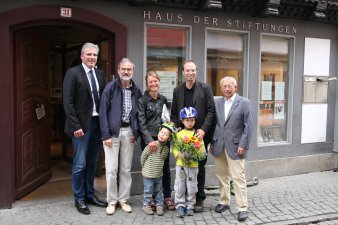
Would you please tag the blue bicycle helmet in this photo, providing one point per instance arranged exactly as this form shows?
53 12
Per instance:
188 112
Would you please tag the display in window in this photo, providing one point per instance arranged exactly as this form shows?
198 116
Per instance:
168 83
266 90
274 76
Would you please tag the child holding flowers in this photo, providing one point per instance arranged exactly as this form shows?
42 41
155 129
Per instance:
188 150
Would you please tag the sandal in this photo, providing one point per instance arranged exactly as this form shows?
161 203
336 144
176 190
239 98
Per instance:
170 204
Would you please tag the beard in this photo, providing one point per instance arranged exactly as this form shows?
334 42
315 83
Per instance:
126 78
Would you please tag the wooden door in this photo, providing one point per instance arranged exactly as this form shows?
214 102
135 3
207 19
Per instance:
32 135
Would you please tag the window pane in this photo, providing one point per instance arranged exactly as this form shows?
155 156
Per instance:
166 52
224 58
274 77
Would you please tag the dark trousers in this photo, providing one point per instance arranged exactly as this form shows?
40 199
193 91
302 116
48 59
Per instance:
166 172
200 195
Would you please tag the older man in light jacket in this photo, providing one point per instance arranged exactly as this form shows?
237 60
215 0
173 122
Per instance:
230 144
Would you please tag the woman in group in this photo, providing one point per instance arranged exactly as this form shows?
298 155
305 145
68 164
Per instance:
150 108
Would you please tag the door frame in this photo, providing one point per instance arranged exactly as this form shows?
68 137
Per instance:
29 17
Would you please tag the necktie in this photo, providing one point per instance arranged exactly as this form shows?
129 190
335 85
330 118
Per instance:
94 90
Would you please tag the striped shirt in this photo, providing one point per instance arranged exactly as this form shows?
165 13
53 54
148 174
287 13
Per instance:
152 163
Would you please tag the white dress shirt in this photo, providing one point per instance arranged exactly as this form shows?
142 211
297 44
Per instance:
227 105
97 85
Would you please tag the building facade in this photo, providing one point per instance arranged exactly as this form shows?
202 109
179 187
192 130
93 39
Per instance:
283 54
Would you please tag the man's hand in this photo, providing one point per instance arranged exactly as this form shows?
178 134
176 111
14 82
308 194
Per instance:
108 143
200 134
133 139
152 146
240 151
78 133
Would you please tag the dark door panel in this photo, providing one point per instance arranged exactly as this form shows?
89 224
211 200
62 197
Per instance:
32 135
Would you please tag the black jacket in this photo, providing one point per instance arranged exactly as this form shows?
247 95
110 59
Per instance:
203 102
77 98
149 115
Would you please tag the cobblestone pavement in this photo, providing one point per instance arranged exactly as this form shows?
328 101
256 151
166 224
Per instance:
301 199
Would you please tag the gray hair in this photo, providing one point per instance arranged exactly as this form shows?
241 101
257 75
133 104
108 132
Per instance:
228 78
89 45
124 60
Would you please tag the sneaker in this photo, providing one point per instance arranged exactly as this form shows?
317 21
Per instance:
110 210
190 212
199 206
159 210
180 212
148 210
125 207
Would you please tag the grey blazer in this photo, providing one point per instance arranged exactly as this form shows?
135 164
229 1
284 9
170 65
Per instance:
236 130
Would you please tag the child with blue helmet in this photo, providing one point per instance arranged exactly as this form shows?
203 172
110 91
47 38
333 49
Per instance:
187 150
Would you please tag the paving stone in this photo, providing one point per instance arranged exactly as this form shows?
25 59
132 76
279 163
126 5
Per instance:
273 201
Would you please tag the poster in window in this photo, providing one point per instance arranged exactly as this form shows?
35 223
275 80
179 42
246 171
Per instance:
279 91
266 90
279 111
168 83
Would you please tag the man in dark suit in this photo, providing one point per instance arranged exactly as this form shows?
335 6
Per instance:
82 88
199 96
229 145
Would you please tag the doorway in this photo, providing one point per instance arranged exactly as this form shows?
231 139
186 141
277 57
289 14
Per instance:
42 56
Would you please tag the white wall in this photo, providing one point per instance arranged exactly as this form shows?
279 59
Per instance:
314 116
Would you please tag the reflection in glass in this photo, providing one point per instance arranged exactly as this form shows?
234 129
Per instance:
224 58
166 52
274 78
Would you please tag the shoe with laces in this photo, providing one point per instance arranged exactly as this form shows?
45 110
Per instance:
125 207
110 210
199 206
242 216
180 212
190 212
159 210
148 210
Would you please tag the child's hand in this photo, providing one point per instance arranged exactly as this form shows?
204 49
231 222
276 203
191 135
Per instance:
180 156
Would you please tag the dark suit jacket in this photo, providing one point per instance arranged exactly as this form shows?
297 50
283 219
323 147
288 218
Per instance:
77 98
234 131
203 102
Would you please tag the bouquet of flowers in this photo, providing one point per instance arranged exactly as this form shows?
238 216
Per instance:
192 149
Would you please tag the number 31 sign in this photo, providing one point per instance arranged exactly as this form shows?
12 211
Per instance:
65 12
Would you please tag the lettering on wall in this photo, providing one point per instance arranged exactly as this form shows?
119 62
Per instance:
228 23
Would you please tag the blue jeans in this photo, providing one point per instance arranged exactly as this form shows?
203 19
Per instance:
86 153
166 171
152 187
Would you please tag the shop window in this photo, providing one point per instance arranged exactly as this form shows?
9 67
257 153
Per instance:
167 49
225 57
274 83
